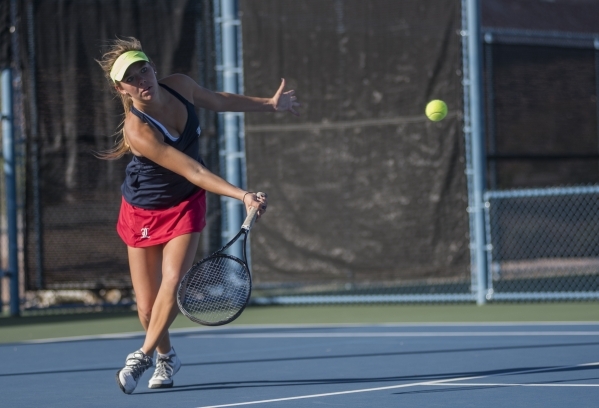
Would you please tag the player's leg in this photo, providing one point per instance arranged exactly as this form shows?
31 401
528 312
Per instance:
146 275
177 257
145 267
155 274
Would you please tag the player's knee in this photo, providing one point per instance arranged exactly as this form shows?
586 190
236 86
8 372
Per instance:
171 279
144 311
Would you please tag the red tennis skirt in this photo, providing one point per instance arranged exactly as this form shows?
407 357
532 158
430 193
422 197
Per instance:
140 228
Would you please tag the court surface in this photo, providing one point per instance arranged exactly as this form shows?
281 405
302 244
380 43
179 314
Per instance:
387 365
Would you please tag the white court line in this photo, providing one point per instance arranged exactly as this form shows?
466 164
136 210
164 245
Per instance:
202 329
328 394
198 333
516 385
396 334
391 387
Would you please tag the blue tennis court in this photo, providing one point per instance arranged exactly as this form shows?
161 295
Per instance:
411 365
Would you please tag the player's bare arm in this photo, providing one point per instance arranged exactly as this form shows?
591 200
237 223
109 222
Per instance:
148 142
281 101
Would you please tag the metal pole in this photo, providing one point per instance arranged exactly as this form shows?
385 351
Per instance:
35 170
477 139
234 155
8 151
4 117
596 46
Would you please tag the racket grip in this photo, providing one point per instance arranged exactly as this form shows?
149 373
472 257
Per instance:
251 217
249 220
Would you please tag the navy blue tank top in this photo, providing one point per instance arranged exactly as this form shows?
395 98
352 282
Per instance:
150 186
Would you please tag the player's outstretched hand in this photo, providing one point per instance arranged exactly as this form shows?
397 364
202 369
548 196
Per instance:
285 100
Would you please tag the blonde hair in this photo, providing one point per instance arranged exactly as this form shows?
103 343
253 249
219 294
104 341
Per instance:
115 49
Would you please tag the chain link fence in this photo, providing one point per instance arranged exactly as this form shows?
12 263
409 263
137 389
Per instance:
543 244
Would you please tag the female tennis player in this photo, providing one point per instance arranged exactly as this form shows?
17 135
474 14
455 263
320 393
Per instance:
164 193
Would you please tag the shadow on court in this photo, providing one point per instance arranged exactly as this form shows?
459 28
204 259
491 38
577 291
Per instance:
345 356
401 353
394 379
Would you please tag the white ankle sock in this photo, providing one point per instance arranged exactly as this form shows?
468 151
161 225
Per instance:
169 354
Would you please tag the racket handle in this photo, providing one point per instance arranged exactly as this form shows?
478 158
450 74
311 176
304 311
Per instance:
251 217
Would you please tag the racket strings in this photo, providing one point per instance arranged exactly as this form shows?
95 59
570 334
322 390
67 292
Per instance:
215 291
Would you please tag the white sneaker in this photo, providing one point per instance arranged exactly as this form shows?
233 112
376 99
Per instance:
167 365
137 363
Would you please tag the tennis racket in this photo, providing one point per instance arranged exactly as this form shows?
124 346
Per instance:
215 290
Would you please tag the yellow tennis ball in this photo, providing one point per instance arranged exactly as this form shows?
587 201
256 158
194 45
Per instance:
436 110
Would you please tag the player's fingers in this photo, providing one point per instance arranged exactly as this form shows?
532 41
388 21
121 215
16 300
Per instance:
281 87
262 203
260 213
261 197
